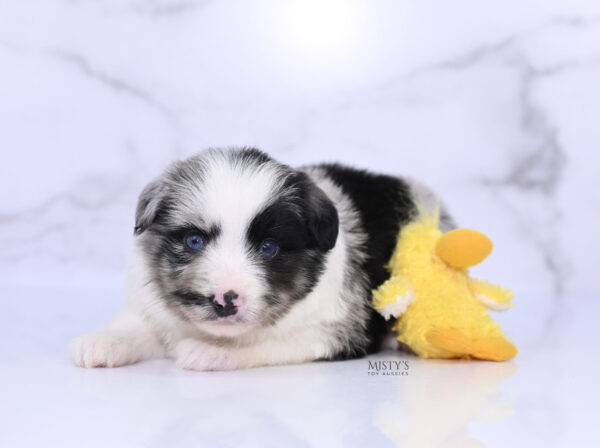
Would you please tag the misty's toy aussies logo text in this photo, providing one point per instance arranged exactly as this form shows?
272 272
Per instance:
388 368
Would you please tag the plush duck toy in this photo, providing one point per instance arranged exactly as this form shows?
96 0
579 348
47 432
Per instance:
441 310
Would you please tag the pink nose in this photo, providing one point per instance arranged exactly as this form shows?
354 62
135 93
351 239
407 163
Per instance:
226 304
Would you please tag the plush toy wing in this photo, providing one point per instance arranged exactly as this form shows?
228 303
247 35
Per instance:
492 296
393 297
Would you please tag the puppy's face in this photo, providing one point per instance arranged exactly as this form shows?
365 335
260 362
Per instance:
234 239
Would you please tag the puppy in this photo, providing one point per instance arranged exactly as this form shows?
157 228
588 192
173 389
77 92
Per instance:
240 261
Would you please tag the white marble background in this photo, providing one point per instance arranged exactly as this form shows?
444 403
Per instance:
494 104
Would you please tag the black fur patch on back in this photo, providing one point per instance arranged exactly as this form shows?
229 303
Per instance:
384 203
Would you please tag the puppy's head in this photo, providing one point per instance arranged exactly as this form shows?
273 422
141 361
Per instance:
234 239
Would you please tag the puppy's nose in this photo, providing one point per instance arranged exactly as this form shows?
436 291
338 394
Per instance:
225 304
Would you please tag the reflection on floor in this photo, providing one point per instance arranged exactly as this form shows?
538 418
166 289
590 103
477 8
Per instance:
391 399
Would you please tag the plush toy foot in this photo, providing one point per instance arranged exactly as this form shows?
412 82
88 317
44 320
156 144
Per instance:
492 348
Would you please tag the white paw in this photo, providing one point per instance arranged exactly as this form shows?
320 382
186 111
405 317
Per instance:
191 354
103 350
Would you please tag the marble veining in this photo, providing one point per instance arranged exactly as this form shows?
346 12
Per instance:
120 86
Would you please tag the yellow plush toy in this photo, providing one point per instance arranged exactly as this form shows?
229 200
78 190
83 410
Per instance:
441 310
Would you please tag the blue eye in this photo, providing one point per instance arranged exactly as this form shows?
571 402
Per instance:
269 249
194 241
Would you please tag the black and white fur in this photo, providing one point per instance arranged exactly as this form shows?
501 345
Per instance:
336 228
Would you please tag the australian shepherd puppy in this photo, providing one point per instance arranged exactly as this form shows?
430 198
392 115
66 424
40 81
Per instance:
240 261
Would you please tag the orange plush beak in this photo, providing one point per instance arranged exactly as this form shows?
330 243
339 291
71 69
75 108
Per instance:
462 248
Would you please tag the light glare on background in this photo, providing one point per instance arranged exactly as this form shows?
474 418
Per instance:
322 25
323 46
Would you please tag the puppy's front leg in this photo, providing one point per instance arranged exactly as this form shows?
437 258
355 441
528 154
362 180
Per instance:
127 340
192 354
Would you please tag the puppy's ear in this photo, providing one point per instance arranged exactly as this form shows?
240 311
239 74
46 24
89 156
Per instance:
322 218
148 205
